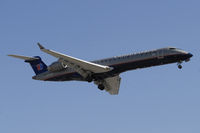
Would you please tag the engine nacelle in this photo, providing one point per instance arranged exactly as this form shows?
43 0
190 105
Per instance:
56 66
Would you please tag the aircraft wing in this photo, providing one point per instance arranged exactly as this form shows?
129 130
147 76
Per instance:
112 84
76 63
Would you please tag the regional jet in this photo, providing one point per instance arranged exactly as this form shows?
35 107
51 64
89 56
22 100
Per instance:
105 72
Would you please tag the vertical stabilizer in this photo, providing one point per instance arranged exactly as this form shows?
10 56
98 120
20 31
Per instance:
38 65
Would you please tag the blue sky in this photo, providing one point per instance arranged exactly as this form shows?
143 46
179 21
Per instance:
159 99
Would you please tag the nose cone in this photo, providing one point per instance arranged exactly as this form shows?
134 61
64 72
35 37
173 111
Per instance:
190 55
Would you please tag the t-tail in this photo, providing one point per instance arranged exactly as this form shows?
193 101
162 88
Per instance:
36 63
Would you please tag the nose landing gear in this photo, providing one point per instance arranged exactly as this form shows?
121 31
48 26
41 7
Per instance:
179 65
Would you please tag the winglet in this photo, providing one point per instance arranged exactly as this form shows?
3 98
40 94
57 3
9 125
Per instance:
40 46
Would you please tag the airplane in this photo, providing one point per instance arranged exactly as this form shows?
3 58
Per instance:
105 72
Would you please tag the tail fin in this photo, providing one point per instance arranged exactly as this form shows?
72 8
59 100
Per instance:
36 63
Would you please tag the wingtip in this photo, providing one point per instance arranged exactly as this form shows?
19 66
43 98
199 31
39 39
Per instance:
40 46
11 55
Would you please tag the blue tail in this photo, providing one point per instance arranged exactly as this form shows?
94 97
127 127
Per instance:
38 65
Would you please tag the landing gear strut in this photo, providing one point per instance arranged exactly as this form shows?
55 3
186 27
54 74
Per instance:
101 87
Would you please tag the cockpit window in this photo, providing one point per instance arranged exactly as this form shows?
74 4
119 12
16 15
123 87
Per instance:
172 48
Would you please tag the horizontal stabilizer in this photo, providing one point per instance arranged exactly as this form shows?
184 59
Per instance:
36 63
24 57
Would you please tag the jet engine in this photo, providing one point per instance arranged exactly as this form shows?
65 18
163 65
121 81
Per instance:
56 66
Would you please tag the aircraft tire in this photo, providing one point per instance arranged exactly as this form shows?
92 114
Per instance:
89 79
180 66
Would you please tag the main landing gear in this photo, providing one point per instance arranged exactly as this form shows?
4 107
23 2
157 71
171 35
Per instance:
100 83
101 87
89 79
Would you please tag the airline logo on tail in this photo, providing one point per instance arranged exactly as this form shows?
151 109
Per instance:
39 66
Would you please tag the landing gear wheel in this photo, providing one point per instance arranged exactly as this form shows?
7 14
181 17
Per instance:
101 87
180 66
89 79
